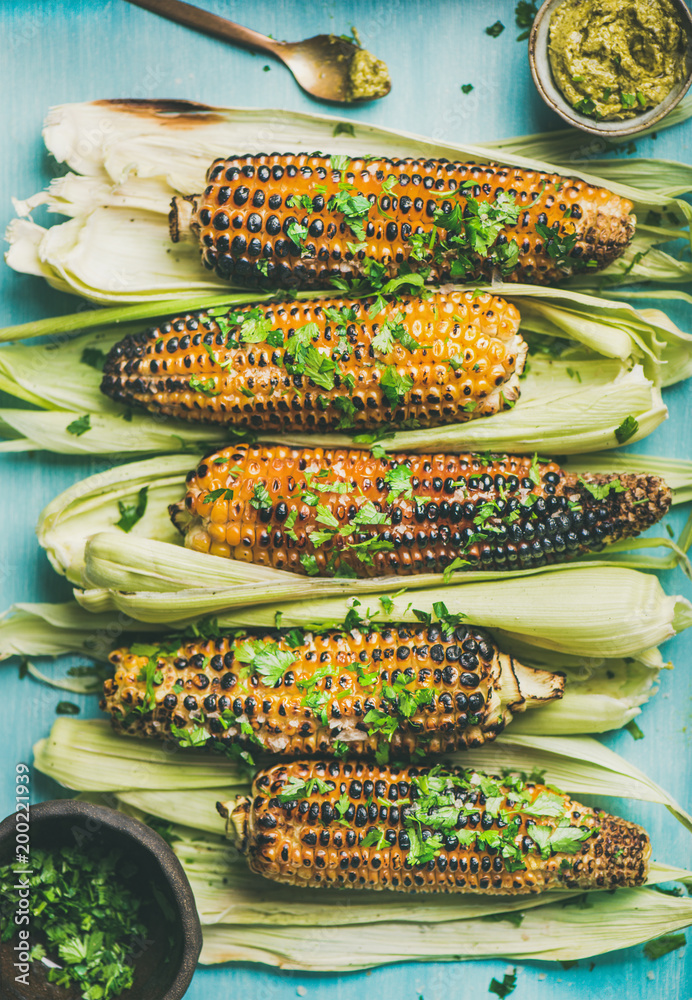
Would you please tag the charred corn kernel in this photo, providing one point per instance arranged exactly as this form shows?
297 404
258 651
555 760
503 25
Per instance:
461 353
434 689
301 220
342 511
416 829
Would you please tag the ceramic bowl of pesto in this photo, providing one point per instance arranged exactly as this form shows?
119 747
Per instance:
642 116
164 953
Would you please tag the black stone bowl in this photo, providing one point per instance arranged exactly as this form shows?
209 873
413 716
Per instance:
166 961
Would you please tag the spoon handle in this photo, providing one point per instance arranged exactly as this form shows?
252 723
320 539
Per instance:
210 24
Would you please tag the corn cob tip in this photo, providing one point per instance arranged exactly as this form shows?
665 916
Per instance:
523 687
313 823
180 218
633 501
236 813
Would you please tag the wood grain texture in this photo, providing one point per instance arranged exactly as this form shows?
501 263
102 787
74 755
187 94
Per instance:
83 49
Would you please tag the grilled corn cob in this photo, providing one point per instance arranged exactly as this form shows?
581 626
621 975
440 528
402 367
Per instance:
339 511
416 829
430 689
448 358
301 220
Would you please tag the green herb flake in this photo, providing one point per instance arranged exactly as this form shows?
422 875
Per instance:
130 514
204 385
600 491
339 162
466 88
504 988
310 565
266 659
634 730
496 29
66 708
627 429
664 945
94 357
524 14
260 499
80 426
344 128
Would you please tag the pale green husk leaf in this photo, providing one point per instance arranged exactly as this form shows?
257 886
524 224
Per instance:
116 247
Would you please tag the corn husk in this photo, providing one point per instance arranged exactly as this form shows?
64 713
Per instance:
554 932
115 246
600 694
238 910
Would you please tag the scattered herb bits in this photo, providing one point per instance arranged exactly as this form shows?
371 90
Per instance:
131 513
495 30
80 426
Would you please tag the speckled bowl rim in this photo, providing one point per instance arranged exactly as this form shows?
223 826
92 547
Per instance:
162 856
552 96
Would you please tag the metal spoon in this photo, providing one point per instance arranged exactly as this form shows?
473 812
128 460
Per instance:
320 65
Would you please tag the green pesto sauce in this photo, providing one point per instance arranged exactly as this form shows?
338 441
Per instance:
612 59
368 77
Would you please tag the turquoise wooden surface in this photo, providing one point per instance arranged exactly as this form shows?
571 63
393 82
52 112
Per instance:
80 50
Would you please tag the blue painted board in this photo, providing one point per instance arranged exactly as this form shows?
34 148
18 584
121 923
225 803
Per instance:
75 50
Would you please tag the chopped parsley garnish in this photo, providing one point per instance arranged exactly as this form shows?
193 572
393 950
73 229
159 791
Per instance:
194 736
94 357
80 426
348 410
496 29
339 162
131 513
260 499
664 945
218 494
344 128
204 385
398 480
394 330
66 708
354 208
394 384
509 981
297 234
466 88
627 429
586 106
599 491
310 564
524 14
297 789
255 329
628 100
319 367
634 730
265 659
87 909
